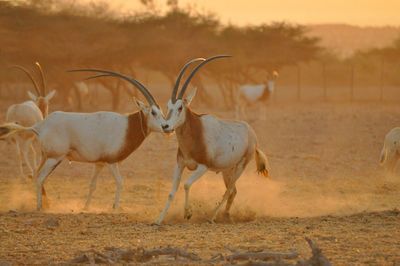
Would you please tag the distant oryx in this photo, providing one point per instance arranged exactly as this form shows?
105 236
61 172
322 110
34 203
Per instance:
102 138
208 143
260 94
27 114
390 153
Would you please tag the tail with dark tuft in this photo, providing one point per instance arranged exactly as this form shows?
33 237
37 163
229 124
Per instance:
262 163
4 131
10 128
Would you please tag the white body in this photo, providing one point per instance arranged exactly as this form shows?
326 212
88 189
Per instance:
390 153
75 135
25 114
253 94
209 143
102 138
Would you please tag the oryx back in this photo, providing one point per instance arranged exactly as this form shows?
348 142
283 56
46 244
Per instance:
81 136
227 141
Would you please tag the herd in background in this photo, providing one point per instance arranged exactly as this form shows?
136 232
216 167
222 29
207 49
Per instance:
205 142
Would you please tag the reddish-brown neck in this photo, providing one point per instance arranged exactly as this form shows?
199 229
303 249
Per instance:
191 138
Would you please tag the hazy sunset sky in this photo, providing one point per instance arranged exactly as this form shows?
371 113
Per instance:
358 12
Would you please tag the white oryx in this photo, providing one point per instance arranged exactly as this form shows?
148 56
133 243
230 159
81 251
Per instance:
102 138
260 94
208 143
390 153
27 114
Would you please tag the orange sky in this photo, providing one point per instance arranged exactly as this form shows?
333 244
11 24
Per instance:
359 12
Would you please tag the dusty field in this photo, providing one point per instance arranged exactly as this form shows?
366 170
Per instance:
325 184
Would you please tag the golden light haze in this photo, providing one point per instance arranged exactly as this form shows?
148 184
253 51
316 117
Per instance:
241 12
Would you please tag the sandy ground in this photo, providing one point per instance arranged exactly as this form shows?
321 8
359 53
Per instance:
325 184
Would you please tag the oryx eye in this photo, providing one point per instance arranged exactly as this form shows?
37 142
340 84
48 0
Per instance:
180 108
153 113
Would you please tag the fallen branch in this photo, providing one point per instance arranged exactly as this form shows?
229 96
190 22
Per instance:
115 255
317 257
261 256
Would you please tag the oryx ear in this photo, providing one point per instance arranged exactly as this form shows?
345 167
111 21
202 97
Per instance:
141 105
32 96
50 95
190 97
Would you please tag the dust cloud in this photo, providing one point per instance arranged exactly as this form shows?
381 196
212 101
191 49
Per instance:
257 197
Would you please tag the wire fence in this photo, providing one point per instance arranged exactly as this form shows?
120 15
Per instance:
319 81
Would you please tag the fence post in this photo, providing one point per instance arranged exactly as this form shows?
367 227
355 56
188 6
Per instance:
324 79
298 82
381 79
352 82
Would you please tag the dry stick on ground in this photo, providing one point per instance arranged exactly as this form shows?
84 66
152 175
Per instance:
317 257
261 256
116 255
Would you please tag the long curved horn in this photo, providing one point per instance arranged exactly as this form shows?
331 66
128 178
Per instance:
136 83
98 76
43 79
127 89
184 87
30 77
178 80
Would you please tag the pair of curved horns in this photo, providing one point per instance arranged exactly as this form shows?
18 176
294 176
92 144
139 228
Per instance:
42 91
136 83
185 85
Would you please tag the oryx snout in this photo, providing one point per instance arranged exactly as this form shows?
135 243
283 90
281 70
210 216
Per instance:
166 128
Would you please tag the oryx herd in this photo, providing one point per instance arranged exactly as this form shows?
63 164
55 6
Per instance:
205 142
106 138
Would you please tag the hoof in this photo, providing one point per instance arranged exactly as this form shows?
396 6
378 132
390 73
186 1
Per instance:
188 214
155 224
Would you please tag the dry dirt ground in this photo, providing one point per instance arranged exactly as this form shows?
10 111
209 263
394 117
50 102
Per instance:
325 184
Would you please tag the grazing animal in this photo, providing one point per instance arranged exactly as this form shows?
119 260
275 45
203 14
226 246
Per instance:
102 138
208 143
27 114
390 153
260 94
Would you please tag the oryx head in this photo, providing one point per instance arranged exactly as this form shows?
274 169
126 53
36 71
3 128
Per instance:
41 98
176 109
152 112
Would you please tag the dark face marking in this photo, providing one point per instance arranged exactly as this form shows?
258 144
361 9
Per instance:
170 112
135 134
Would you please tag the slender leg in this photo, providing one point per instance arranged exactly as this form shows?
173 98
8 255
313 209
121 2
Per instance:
231 187
43 160
199 172
227 180
19 157
117 176
33 154
96 170
177 179
25 149
49 165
